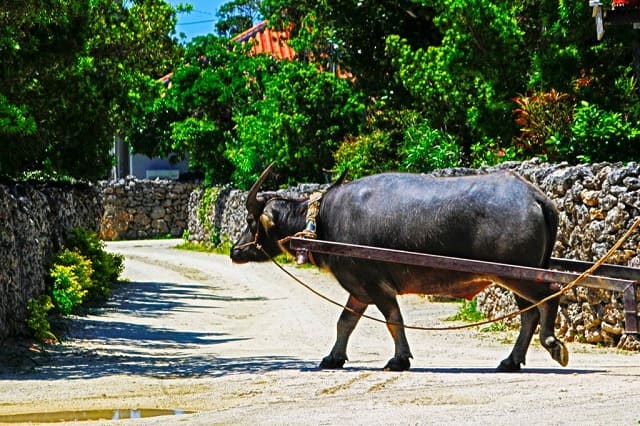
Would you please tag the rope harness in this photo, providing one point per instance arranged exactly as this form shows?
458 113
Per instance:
310 232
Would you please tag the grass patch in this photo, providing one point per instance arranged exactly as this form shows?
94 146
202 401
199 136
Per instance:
496 327
468 312
224 249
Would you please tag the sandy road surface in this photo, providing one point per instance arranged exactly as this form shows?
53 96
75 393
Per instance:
240 345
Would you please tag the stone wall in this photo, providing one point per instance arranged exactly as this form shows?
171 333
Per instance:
137 209
596 203
34 222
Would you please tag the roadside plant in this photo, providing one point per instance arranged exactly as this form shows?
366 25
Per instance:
37 318
82 272
366 154
71 275
107 267
543 117
600 135
468 311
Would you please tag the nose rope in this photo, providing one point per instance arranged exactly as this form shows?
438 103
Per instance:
252 243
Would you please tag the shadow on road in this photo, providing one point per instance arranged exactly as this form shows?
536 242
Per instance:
125 338
134 343
154 299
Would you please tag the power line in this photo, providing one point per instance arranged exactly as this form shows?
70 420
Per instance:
196 22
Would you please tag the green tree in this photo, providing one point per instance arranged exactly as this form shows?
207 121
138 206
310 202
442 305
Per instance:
72 76
195 115
237 16
304 116
464 85
352 34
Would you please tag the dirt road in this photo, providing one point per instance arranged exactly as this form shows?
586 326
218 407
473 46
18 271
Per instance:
229 344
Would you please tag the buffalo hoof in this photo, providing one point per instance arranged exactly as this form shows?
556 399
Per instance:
398 363
558 351
508 365
331 363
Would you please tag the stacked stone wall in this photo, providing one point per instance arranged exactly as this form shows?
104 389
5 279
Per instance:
596 204
143 208
34 223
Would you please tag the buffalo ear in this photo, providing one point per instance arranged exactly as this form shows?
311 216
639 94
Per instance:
340 179
267 222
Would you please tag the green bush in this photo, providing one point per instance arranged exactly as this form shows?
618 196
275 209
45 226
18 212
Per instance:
468 311
599 135
426 149
37 319
107 267
82 272
542 118
71 274
366 155
488 152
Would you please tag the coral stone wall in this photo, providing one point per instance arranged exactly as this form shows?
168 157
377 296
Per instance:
596 204
137 209
34 222
226 219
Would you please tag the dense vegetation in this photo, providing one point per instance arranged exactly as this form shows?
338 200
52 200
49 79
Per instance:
73 75
82 273
434 84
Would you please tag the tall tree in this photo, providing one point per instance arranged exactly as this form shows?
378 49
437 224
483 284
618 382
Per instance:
71 76
237 16
195 116
352 34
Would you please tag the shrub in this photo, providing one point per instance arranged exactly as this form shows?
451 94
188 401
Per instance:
365 155
82 272
541 117
599 135
71 274
488 152
468 311
37 319
107 267
426 149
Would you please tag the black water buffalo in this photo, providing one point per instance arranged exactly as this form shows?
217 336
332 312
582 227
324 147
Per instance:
497 217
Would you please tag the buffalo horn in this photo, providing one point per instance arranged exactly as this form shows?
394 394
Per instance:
254 206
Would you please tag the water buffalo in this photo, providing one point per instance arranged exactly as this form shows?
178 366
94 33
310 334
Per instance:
496 217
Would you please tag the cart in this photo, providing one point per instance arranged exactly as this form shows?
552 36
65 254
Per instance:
620 279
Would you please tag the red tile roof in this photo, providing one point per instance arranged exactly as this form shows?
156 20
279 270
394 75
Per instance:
265 40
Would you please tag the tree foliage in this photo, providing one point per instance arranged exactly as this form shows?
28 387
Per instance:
435 84
234 113
352 33
303 117
195 115
72 75
237 16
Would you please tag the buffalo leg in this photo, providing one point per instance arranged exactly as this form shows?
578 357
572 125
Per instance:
557 349
528 322
346 324
545 315
391 311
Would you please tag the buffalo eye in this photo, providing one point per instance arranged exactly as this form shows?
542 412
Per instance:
251 222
